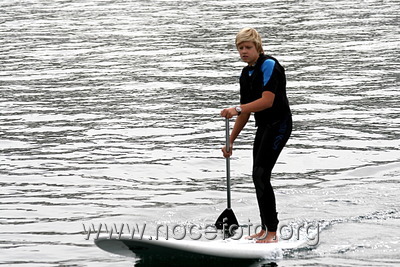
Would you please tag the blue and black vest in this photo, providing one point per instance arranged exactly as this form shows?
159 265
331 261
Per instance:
266 75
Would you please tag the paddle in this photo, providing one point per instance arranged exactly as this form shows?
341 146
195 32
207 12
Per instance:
227 217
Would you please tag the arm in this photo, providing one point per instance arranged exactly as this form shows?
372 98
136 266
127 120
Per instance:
239 125
237 128
266 101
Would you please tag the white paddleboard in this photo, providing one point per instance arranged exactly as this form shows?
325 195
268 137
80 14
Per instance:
171 249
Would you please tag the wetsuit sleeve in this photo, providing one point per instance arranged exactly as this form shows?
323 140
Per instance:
269 80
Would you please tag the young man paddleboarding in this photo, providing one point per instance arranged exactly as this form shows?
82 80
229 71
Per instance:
262 92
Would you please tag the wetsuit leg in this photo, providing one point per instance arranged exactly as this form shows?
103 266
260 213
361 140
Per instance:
268 144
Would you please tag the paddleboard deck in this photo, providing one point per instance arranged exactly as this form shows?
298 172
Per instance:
225 250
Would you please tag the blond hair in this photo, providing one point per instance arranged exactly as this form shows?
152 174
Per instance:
250 35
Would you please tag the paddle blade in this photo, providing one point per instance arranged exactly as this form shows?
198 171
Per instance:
228 218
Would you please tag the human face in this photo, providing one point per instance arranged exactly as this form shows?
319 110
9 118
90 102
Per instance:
248 52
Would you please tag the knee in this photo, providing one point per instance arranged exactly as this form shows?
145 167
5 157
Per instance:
261 177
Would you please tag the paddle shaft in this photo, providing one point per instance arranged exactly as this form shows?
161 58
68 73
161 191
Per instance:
227 217
228 165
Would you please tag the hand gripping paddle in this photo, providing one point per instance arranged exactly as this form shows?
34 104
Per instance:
227 217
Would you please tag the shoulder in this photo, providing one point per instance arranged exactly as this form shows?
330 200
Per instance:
268 65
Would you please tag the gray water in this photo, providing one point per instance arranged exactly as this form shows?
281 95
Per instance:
109 114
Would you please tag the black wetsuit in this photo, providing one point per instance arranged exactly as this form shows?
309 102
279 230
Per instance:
274 126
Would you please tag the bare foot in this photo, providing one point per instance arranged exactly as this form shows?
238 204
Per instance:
270 238
259 235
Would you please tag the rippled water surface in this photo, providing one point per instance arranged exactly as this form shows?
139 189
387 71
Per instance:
109 114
